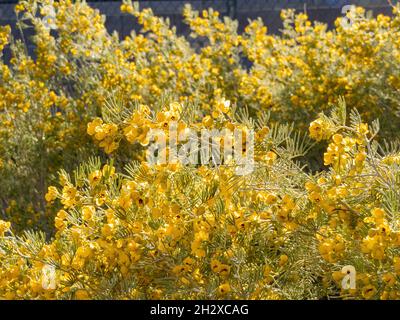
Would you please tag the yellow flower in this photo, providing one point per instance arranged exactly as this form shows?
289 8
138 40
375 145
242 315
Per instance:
224 270
363 128
91 127
222 106
368 291
95 177
59 219
19 7
108 170
319 130
126 8
389 279
109 145
82 294
69 196
180 269
207 121
283 259
378 214
224 289
4 227
271 198
262 133
396 264
315 197
107 230
84 252
270 157
215 265
338 276
337 138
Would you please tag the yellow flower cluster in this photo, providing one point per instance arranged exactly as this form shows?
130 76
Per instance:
106 134
175 231
4 36
115 226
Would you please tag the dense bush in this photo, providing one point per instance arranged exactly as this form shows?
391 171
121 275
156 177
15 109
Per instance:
77 193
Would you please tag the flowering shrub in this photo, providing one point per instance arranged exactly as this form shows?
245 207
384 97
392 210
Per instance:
78 197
